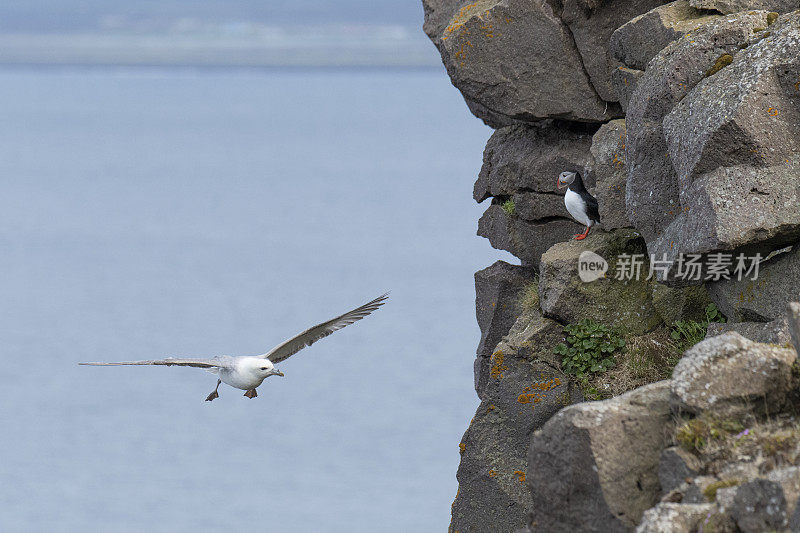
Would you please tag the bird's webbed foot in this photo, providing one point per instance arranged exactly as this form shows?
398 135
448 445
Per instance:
214 394
251 393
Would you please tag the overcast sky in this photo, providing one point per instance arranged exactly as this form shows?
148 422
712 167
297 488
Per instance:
82 15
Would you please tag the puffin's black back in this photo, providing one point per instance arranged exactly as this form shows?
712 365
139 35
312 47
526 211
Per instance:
578 187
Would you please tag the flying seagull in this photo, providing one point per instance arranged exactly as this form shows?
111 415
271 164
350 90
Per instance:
580 204
248 372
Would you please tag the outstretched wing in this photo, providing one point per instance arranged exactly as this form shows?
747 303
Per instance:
170 361
312 335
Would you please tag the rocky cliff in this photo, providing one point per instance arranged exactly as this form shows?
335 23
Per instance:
602 409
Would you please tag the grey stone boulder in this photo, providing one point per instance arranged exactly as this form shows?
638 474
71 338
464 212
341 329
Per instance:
793 323
730 374
675 466
737 208
757 506
680 303
530 158
653 189
621 303
638 41
775 332
594 466
734 142
525 388
606 169
727 7
525 239
763 299
624 81
789 480
674 518
498 289
513 60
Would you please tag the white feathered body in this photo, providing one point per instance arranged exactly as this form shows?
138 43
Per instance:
577 208
245 372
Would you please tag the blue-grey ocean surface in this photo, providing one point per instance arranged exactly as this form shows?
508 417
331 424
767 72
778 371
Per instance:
150 213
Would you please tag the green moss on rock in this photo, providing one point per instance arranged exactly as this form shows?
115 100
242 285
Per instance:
722 61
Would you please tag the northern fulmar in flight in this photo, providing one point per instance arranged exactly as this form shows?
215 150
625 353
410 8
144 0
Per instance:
248 372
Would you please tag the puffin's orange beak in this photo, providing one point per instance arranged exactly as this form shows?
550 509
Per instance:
558 183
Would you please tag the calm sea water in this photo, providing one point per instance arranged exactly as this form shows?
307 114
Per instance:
150 213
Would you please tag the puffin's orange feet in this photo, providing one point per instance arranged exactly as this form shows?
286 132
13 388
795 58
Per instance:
581 236
251 393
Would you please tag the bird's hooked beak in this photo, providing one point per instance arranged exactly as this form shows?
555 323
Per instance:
277 373
559 185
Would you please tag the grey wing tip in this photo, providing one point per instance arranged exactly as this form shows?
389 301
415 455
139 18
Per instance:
380 300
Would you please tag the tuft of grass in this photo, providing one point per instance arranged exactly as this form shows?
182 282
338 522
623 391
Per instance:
529 298
509 207
646 359
697 434
710 492
687 333
778 443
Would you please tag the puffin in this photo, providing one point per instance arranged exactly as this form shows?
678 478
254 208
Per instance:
580 204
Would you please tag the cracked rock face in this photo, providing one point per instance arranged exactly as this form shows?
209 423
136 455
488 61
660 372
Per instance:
734 6
624 81
520 61
606 169
525 388
730 373
638 41
527 240
497 293
654 189
793 320
591 23
594 466
530 158
521 164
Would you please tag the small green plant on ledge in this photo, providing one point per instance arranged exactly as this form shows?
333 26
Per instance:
690 332
509 207
589 348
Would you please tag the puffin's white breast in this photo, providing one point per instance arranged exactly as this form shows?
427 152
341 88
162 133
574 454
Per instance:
576 207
